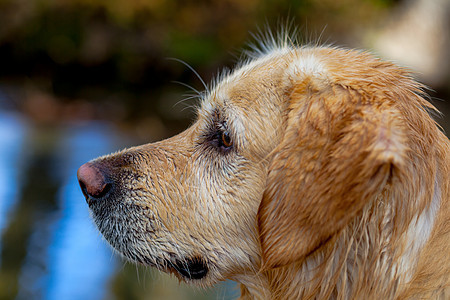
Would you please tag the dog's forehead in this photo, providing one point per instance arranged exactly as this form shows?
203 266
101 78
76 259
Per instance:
250 85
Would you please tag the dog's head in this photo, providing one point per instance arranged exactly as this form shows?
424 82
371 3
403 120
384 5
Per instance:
285 151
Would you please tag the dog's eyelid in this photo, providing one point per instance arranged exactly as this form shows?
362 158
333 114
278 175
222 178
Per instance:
223 136
218 135
222 126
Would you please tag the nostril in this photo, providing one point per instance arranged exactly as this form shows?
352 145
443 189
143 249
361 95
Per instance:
92 182
105 190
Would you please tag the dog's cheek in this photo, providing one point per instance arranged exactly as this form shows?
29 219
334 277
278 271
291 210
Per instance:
227 204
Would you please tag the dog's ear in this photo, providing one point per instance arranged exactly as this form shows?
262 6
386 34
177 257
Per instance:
339 149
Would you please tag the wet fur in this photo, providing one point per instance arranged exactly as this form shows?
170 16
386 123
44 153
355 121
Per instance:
336 185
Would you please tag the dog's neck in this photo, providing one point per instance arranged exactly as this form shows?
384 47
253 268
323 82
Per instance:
358 261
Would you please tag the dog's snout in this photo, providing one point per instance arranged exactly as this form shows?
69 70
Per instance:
93 182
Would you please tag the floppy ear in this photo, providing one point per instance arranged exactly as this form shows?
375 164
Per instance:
339 150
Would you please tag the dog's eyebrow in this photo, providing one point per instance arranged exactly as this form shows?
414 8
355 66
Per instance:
218 106
217 116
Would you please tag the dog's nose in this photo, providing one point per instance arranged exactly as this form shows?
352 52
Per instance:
92 182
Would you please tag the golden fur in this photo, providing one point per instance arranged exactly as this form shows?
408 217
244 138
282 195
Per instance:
310 173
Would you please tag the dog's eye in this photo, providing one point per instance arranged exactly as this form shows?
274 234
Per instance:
225 140
219 137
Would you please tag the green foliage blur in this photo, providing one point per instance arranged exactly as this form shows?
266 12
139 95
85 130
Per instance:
114 52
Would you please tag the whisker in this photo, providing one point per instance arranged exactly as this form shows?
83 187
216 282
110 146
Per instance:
194 107
189 87
320 37
193 71
137 274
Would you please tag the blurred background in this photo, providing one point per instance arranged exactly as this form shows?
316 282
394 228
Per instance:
82 78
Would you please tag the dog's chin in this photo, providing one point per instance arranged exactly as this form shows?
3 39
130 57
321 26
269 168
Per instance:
137 247
192 269
189 269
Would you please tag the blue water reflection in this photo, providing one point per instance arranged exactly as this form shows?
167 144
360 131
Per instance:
64 255
81 263
12 132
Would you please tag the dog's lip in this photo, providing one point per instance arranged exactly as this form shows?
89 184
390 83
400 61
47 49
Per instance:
193 268
189 274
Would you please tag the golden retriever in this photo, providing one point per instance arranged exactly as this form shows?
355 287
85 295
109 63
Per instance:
309 173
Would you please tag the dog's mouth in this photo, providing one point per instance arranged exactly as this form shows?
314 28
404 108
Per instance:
191 268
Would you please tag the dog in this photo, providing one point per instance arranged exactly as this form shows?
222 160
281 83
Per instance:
311 172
